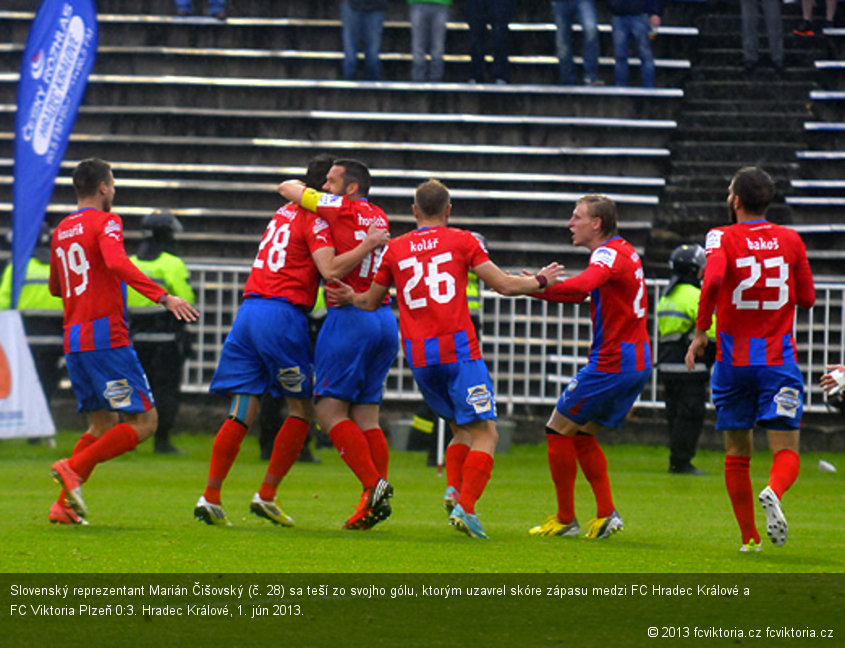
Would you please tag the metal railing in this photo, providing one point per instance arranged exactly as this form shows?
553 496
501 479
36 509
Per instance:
532 347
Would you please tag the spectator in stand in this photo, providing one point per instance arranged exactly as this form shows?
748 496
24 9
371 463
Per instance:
564 12
428 37
805 28
750 38
216 8
362 25
478 14
634 19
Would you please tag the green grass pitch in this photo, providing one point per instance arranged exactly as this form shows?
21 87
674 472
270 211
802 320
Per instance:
513 590
141 518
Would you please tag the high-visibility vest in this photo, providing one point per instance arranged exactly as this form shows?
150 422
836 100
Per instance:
35 292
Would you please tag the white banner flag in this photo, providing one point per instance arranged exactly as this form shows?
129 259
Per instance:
23 408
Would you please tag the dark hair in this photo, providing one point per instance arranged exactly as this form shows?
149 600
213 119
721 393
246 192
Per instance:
755 188
604 209
355 171
432 198
318 168
88 175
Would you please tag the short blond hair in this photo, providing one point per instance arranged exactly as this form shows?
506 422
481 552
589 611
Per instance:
603 208
432 198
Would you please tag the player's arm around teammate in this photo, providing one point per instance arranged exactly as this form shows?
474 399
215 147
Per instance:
429 268
354 350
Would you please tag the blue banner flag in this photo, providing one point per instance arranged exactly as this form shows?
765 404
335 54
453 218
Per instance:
59 55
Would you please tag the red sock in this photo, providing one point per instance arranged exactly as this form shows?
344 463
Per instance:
379 451
227 443
594 466
784 472
564 469
289 443
477 469
355 451
117 440
456 456
85 441
738 482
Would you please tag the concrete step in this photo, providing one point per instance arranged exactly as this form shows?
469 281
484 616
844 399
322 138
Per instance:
771 121
290 94
298 64
285 33
735 91
448 128
738 152
784 133
523 10
289 152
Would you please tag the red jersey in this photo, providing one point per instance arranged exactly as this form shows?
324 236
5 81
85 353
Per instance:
429 267
284 267
755 275
350 220
89 270
615 282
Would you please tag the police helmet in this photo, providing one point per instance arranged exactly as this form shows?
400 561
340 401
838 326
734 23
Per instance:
687 260
160 221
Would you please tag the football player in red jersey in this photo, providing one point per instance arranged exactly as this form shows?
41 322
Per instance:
618 366
269 350
429 268
354 349
88 270
756 274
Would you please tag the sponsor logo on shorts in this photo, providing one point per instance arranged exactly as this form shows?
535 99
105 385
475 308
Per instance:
480 399
290 378
118 393
788 400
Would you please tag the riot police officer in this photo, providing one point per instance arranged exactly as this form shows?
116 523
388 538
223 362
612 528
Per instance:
685 392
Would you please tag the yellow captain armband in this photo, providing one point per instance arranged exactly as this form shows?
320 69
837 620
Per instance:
310 198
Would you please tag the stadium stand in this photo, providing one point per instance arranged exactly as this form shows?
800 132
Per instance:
205 117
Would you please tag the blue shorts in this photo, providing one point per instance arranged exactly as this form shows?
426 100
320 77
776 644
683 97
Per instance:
109 379
772 396
603 398
355 350
458 391
267 350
